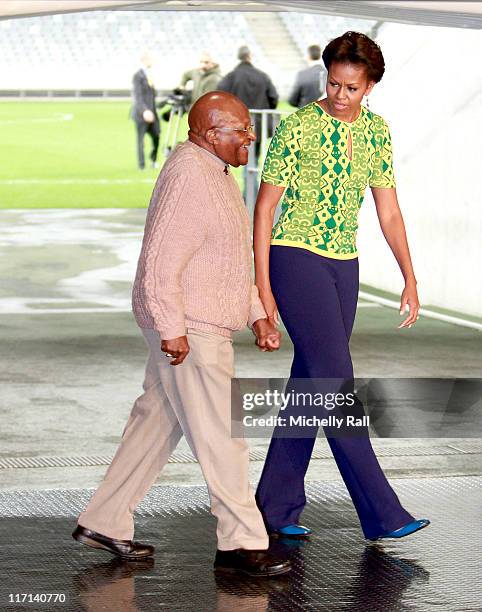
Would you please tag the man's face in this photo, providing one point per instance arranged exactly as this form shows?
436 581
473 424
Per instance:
205 63
232 136
147 60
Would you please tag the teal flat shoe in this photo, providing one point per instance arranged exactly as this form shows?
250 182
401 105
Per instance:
404 531
296 532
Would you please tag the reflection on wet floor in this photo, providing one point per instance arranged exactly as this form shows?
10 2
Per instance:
335 571
107 585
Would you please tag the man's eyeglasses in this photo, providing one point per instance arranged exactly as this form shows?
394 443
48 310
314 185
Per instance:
248 130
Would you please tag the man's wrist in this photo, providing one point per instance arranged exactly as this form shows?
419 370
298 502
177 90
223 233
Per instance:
253 324
171 333
265 318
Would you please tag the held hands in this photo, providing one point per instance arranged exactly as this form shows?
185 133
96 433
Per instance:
177 348
409 298
268 338
148 116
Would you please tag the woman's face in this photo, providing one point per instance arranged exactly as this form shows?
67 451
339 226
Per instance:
345 87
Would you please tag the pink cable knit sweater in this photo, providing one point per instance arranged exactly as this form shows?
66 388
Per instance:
194 270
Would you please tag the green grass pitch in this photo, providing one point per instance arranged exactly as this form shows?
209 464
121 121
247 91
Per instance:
74 154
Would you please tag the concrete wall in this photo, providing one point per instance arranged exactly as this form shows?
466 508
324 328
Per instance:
431 97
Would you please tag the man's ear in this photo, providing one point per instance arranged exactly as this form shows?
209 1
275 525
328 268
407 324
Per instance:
211 136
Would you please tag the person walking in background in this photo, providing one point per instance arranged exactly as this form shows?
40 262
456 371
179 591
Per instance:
143 111
255 89
203 79
310 82
249 84
193 288
324 155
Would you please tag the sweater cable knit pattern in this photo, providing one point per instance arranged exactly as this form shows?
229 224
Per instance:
194 269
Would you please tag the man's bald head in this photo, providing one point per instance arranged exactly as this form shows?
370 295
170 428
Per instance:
206 62
215 109
147 59
219 123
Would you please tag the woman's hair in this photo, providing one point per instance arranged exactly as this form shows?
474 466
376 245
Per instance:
356 48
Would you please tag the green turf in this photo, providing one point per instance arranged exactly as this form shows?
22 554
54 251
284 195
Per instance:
98 144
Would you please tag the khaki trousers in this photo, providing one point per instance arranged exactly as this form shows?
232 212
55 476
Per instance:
193 399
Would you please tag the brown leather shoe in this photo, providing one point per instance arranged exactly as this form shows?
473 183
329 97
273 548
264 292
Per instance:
251 562
126 549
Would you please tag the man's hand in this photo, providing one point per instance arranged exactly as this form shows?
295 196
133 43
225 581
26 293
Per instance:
148 117
177 348
268 338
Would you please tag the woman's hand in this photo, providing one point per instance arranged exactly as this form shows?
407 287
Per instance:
269 304
410 298
393 228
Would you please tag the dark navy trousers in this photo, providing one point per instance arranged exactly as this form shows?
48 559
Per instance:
317 297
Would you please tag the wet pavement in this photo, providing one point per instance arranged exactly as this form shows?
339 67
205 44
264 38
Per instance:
72 364
337 570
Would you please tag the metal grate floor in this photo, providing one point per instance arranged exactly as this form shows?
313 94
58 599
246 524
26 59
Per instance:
461 447
436 569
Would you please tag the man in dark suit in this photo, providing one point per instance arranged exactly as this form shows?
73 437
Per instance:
310 82
255 89
251 85
144 111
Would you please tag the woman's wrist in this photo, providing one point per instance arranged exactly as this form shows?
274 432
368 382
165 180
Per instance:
411 281
263 287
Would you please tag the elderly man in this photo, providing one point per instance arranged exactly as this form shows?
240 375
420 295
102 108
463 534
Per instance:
193 288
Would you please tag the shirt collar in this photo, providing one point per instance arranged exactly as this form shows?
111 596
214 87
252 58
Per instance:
208 153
